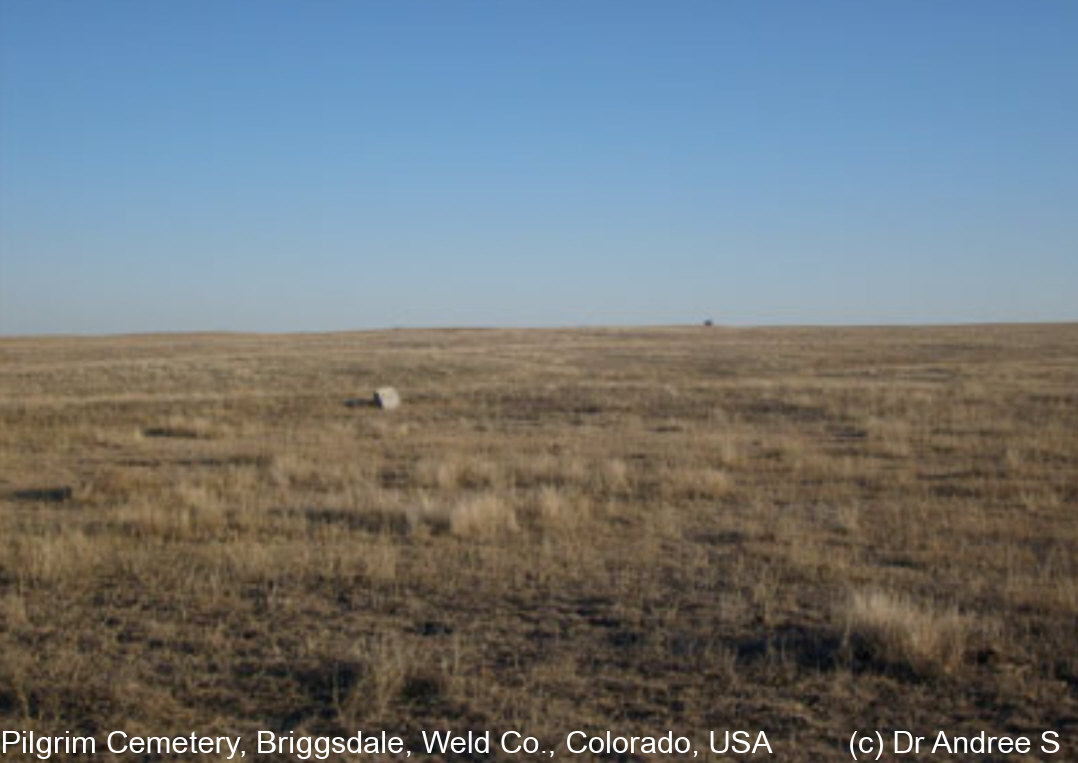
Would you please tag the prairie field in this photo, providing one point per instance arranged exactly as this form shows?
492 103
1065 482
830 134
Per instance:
800 530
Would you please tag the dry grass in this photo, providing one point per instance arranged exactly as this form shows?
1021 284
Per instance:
486 515
895 631
626 529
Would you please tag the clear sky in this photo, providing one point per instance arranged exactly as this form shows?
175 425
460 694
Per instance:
292 165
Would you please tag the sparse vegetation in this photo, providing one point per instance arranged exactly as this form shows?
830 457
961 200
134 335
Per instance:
788 529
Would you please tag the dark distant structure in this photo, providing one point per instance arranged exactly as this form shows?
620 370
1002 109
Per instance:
709 323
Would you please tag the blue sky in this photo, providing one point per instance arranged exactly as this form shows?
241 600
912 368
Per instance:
335 165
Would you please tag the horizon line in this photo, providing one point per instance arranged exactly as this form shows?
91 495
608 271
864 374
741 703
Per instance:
528 328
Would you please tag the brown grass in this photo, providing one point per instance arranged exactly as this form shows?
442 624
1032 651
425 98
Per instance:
895 631
800 530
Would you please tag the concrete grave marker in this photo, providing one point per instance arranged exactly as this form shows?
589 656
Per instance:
387 398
